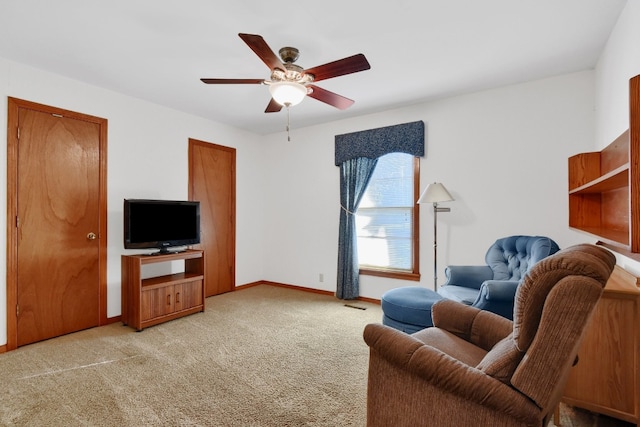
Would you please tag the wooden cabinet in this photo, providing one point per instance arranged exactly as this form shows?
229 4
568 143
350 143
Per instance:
604 187
154 300
606 378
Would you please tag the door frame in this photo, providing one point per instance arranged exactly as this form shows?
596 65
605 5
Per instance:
14 106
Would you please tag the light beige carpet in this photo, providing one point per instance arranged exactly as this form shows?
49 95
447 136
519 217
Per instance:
262 356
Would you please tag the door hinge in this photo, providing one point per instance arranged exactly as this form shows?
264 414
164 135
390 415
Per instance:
18 133
17 310
57 115
17 221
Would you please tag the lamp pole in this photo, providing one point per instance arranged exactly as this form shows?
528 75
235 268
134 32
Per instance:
435 193
436 209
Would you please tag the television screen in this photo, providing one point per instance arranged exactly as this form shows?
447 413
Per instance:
161 224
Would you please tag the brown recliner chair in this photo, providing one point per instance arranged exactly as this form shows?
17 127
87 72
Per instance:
475 368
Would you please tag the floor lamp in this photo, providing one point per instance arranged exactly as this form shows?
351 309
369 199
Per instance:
435 193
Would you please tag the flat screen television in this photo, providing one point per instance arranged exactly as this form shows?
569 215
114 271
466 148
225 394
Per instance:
161 224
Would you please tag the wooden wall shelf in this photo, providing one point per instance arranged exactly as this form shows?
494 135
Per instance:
604 187
618 178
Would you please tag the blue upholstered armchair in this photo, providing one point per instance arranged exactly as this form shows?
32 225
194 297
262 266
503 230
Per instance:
492 287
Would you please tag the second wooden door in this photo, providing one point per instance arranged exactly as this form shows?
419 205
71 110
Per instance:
212 181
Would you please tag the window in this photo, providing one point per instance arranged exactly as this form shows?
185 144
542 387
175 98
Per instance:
387 219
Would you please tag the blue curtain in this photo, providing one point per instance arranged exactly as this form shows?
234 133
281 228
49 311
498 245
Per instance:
357 154
354 178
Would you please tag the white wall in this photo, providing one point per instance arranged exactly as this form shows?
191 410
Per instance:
619 62
501 153
147 158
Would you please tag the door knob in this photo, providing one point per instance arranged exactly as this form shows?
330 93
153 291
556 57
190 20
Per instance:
91 236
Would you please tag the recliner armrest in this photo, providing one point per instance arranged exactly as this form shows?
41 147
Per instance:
470 276
480 327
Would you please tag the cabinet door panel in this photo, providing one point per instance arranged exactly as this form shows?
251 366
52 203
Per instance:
190 295
604 375
156 302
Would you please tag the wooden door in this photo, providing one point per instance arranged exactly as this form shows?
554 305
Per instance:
212 181
59 236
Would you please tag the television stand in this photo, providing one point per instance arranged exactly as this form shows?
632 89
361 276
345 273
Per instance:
147 302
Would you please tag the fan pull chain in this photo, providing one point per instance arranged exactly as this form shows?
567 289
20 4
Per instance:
288 123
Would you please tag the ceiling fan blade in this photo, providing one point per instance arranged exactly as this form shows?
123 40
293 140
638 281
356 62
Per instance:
262 49
330 98
273 107
232 81
352 64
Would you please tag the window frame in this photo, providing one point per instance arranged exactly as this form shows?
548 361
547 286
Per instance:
413 275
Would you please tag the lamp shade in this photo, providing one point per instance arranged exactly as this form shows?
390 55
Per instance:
287 93
435 193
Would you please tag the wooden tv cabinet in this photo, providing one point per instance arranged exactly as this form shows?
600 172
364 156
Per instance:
147 302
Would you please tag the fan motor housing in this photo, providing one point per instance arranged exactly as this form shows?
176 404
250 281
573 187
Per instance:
289 54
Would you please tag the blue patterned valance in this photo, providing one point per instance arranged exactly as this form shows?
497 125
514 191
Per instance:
373 143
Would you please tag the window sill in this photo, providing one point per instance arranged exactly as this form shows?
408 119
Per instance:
391 274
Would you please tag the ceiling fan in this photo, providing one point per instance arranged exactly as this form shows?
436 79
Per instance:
289 83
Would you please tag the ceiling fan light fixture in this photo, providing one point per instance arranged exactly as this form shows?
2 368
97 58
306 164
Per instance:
288 93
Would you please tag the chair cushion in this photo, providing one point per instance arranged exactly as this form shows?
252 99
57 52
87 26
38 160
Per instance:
452 345
461 294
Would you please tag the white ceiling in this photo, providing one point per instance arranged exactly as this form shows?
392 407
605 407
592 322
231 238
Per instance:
419 50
